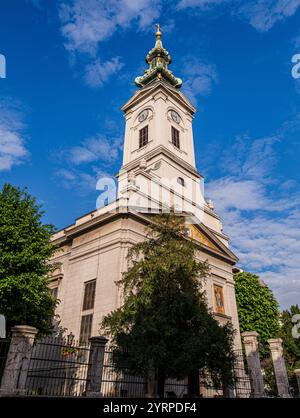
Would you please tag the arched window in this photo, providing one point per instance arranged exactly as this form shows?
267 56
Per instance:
180 180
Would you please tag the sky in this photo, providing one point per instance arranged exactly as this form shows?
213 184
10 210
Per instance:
70 66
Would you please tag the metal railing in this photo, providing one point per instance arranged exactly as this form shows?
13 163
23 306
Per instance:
242 384
58 367
120 383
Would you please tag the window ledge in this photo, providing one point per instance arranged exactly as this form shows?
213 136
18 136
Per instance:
177 149
142 148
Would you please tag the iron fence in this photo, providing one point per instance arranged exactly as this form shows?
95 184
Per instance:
267 369
4 347
58 367
175 388
242 384
122 384
117 383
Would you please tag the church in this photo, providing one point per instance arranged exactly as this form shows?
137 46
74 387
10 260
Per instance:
158 173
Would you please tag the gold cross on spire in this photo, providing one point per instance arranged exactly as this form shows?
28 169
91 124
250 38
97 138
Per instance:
158 34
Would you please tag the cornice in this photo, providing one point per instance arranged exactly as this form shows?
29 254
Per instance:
222 253
161 149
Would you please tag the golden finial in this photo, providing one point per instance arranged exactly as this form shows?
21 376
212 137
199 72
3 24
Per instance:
158 43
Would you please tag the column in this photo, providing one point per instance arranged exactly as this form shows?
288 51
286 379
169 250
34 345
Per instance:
95 368
253 361
17 362
279 367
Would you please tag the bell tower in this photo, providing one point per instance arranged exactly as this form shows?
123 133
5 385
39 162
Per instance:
158 114
159 143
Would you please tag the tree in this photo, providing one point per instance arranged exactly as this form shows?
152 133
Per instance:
258 311
25 250
164 325
257 308
291 345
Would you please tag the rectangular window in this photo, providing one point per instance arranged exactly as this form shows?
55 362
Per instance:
89 295
175 137
86 328
143 139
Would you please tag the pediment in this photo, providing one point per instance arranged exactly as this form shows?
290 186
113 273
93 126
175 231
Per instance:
197 235
209 241
142 93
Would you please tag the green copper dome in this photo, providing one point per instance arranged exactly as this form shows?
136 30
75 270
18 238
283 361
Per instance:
158 59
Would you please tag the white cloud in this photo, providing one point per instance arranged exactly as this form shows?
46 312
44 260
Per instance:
79 181
263 14
251 159
204 4
87 23
260 213
99 72
96 148
12 142
231 193
268 243
200 78
93 158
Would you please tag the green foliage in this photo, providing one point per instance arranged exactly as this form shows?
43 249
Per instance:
164 323
25 250
257 307
291 345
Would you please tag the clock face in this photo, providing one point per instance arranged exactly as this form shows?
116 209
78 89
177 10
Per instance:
175 116
143 115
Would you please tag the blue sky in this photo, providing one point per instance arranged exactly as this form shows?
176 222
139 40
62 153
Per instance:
71 66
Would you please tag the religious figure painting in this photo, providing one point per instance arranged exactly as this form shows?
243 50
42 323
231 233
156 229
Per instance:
219 299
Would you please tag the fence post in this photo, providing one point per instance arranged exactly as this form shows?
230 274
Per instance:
17 362
279 367
95 367
151 384
253 361
297 374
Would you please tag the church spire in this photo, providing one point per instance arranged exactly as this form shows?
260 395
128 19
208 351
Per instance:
158 60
